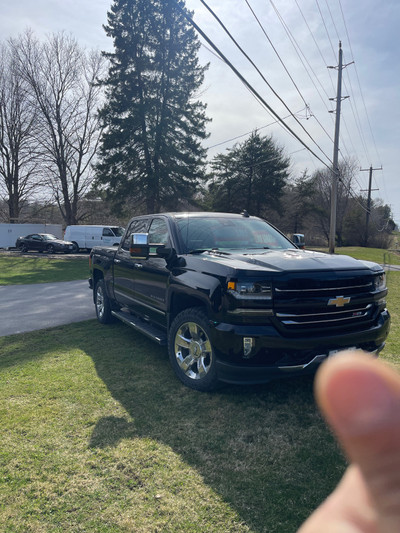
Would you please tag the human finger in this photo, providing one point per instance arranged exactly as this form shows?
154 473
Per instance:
360 398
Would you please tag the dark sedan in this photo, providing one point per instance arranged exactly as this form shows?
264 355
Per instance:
43 242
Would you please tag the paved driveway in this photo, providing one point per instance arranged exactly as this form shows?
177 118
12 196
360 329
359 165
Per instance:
44 305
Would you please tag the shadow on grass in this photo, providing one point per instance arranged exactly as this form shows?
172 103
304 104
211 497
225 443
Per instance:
264 449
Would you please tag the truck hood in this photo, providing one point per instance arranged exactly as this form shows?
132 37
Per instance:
286 260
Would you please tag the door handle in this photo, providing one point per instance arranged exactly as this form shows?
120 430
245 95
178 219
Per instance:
138 265
117 260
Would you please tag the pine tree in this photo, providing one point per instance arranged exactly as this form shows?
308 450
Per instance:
151 149
251 176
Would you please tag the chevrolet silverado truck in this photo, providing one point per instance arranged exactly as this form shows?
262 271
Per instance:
234 300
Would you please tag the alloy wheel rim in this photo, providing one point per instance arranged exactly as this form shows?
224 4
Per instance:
100 302
193 351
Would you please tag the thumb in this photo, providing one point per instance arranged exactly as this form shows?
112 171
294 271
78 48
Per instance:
360 398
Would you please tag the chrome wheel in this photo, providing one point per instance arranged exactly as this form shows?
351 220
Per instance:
100 301
193 350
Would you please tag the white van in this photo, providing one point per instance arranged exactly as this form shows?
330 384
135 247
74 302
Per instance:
93 235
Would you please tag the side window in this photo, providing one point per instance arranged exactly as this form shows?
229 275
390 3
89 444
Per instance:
158 232
107 232
137 226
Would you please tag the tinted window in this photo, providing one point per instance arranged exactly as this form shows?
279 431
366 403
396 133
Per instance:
158 232
137 226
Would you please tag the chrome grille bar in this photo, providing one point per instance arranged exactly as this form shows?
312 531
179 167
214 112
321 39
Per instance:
298 315
303 323
326 289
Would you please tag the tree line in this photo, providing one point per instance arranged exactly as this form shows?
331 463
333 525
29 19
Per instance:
122 133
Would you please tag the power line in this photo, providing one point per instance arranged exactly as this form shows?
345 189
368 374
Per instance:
301 55
358 81
276 51
326 29
246 83
287 71
248 133
259 72
330 77
244 134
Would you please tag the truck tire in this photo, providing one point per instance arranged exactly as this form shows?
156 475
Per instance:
190 351
75 248
102 303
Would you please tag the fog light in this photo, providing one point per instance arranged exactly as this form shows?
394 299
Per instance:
248 345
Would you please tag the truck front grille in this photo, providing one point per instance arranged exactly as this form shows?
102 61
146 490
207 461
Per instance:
304 304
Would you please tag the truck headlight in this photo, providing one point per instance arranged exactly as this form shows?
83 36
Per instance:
380 282
249 290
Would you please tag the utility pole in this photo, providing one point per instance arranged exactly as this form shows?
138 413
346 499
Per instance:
370 169
335 166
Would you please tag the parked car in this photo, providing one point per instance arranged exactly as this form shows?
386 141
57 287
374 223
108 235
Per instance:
43 242
87 236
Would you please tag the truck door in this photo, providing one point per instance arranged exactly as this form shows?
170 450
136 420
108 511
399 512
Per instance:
151 276
125 267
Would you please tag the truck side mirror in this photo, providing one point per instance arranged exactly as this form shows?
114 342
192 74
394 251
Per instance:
139 246
298 239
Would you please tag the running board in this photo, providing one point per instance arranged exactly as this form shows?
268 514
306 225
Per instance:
154 333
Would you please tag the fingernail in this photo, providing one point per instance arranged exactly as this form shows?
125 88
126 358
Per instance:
360 401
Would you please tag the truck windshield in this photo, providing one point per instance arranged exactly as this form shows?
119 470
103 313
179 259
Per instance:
229 233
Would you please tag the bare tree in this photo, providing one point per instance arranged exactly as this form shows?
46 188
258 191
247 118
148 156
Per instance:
322 182
63 82
18 147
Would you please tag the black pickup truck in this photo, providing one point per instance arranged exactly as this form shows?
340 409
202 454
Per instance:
234 299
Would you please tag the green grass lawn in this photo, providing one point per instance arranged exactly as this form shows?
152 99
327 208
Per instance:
377 255
16 270
97 435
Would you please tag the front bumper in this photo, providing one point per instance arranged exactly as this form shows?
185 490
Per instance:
275 356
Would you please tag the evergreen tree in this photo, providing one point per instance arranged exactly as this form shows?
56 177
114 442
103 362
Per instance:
251 176
151 149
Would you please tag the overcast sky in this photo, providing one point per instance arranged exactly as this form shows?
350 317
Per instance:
292 43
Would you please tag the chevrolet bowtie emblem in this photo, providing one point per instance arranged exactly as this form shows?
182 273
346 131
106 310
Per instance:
339 301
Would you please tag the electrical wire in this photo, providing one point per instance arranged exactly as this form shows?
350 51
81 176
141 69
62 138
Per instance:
246 83
249 133
359 84
287 71
356 71
275 50
260 73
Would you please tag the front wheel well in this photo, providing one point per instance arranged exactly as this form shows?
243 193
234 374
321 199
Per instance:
96 276
180 302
